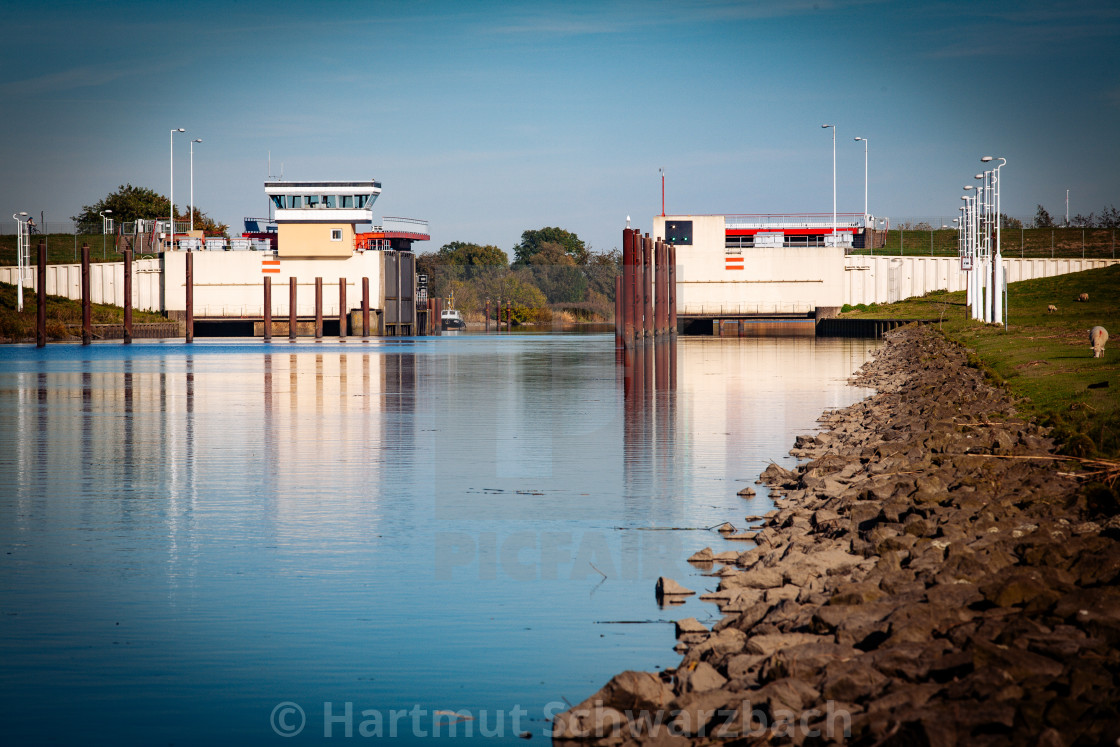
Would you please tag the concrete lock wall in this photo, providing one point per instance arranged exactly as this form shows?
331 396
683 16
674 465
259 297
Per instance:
773 280
871 280
230 284
106 282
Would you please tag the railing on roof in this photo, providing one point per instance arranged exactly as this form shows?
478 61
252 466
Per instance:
404 225
775 221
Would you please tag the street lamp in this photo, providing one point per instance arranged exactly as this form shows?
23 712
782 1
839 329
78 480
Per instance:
103 230
22 240
1000 308
171 234
825 127
864 175
196 140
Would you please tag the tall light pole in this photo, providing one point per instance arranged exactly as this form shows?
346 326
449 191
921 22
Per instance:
1000 310
21 243
103 230
865 214
824 127
1067 207
970 250
171 232
196 140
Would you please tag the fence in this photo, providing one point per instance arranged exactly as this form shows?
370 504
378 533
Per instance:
1086 243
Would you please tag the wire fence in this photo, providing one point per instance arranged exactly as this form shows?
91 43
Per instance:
1095 243
64 241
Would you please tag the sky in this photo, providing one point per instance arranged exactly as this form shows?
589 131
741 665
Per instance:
491 118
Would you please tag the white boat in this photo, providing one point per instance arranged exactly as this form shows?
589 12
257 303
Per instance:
451 319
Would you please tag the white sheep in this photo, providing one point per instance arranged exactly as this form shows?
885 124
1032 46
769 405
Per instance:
1098 336
1051 309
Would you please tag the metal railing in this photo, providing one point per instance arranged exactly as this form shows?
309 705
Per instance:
776 221
404 225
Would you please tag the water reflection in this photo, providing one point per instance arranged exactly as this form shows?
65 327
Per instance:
438 522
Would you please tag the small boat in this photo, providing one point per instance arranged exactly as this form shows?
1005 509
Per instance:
452 319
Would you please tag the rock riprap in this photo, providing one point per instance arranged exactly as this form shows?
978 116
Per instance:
924 579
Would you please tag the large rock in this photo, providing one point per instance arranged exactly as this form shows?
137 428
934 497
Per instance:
667 587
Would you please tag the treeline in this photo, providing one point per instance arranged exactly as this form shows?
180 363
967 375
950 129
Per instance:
1109 217
550 267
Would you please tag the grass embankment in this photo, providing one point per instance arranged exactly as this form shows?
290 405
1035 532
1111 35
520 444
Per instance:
63 248
64 316
1042 356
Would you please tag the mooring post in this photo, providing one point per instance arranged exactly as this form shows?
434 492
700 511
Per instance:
267 309
672 289
439 316
634 275
365 307
487 315
318 308
342 315
618 311
87 325
627 304
292 322
127 292
41 297
509 316
647 293
662 289
190 296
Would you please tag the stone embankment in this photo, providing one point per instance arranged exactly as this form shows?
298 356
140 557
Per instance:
929 576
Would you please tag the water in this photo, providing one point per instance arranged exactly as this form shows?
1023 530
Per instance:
195 542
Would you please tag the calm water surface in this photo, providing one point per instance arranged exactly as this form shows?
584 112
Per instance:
194 541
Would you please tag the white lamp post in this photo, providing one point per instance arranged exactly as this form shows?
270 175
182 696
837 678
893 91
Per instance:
21 246
171 233
865 215
196 140
824 127
1000 310
104 230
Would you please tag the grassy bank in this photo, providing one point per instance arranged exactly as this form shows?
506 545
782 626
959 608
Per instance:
1042 356
64 316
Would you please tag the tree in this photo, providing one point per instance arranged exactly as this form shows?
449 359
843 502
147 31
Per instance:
601 269
555 272
1110 217
1083 221
533 240
517 288
131 203
472 258
1042 218
1008 222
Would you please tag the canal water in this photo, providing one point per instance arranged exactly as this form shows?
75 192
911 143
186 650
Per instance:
248 543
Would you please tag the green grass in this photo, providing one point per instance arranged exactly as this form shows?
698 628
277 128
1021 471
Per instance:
61 312
1043 357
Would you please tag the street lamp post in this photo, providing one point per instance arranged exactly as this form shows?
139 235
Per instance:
824 127
1000 308
171 210
21 246
865 215
971 204
103 230
196 140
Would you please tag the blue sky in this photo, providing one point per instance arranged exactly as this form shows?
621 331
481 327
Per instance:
489 118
